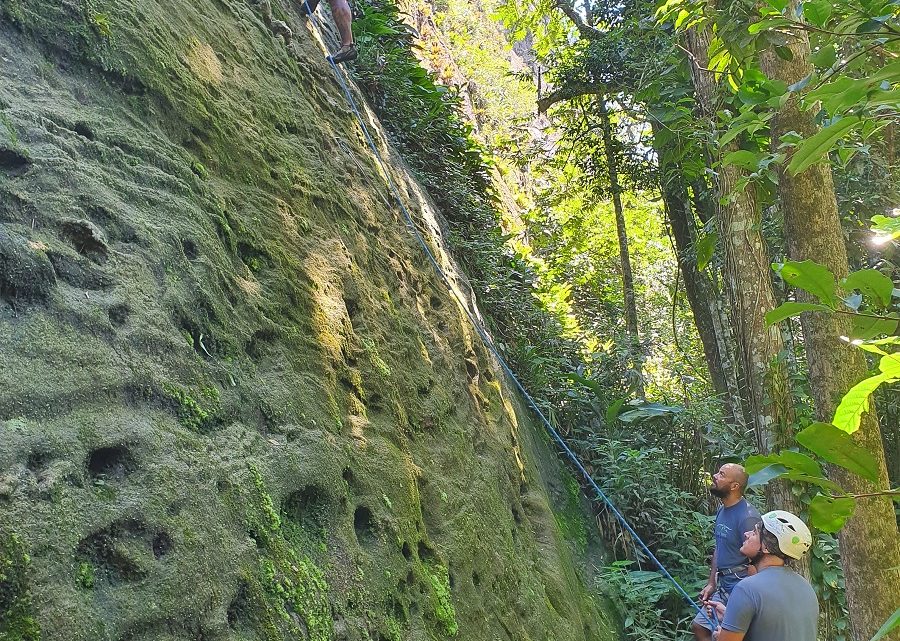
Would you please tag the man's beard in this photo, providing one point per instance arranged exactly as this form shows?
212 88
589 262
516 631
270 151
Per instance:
717 492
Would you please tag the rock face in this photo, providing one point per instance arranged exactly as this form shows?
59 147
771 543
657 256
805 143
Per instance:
235 402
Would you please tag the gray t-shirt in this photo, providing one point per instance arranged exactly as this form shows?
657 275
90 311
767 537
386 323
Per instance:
777 604
731 524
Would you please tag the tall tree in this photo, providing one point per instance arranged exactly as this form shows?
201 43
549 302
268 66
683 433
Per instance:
748 274
869 542
631 320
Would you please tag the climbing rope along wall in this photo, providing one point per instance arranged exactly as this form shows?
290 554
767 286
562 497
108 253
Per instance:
489 343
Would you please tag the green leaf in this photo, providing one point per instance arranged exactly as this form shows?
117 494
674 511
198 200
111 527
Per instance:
706 246
612 412
838 447
828 513
648 410
793 462
810 276
891 624
817 12
890 365
816 148
887 228
856 402
870 282
786 310
766 474
825 57
866 327
818 481
889 73
742 158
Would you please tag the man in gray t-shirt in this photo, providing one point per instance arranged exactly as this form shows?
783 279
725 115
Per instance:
775 604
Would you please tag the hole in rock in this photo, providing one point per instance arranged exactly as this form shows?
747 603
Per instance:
118 314
112 551
364 524
86 238
399 610
82 129
238 607
472 369
426 553
37 461
352 306
113 463
307 506
410 578
476 579
517 515
162 545
436 303
13 162
406 551
451 580
190 249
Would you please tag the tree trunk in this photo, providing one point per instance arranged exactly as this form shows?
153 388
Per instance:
631 321
869 542
748 276
701 292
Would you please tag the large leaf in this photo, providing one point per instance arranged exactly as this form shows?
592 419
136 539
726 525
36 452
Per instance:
866 326
742 158
816 148
789 459
830 513
810 276
870 282
890 625
836 446
890 366
856 402
705 248
887 228
817 12
612 412
648 410
766 474
786 310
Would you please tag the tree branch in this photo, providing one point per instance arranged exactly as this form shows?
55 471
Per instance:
586 30
568 91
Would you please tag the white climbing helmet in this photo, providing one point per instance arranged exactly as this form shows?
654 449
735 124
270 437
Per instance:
794 538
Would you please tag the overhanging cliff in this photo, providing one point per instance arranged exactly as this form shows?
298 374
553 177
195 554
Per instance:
235 401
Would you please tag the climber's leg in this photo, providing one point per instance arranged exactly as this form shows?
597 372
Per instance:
343 18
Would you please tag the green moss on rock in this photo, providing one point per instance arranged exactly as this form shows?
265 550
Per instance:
17 622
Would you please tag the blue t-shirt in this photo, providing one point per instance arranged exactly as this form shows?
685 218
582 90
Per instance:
776 604
731 524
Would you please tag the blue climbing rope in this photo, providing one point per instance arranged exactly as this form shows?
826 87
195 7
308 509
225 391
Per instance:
489 343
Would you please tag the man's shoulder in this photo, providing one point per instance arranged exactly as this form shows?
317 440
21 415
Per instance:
748 508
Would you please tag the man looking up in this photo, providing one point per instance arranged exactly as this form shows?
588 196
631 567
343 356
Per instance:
776 603
729 564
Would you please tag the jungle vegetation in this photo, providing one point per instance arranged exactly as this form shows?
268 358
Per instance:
682 219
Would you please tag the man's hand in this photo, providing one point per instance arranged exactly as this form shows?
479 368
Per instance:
706 592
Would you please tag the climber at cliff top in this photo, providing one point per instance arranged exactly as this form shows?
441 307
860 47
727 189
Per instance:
343 18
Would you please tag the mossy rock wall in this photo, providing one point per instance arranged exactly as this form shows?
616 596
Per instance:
235 401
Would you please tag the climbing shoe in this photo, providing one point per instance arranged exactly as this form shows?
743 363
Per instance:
344 54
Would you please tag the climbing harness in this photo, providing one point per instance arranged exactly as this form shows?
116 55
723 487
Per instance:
489 343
